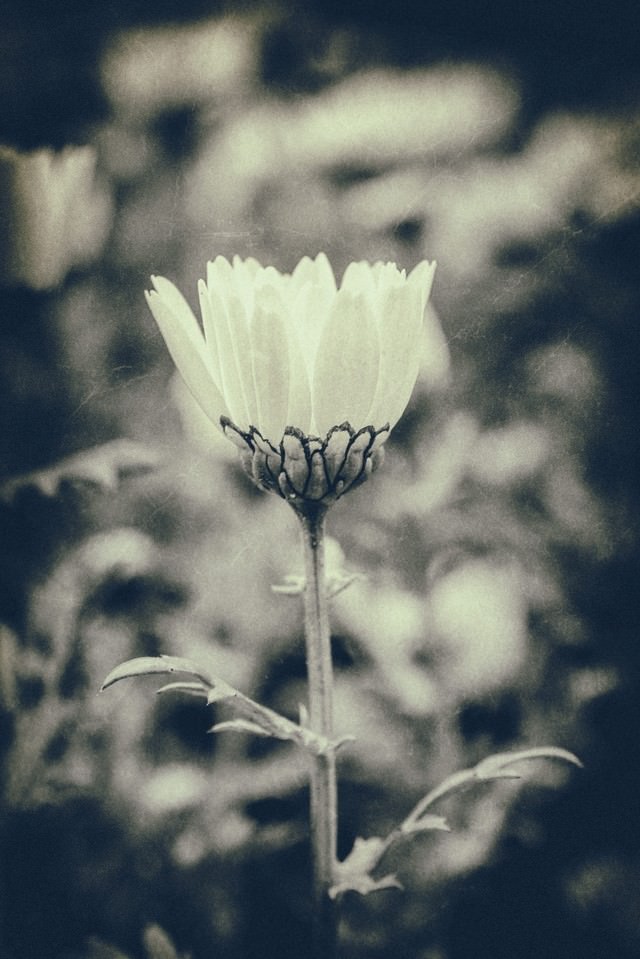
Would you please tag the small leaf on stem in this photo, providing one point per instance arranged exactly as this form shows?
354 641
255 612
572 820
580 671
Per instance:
354 873
191 689
240 726
155 665
426 824
496 766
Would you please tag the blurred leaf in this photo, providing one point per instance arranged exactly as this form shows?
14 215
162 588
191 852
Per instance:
8 648
97 949
157 944
102 466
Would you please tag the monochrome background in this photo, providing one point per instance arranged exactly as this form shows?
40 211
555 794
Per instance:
498 546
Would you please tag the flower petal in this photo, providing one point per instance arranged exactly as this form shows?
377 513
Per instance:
235 359
299 411
211 339
270 367
271 298
346 367
400 353
308 316
436 360
186 345
422 278
359 278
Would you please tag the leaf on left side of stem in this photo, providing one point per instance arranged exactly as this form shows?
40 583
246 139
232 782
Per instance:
263 721
103 467
158 665
253 717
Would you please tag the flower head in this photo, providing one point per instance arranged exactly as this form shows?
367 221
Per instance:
305 377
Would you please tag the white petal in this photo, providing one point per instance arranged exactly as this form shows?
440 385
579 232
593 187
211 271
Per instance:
303 274
270 365
346 368
324 275
251 265
400 354
308 316
219 272
422 278
387 274
213 349
232 332
299 411
436 359
187 347
359 278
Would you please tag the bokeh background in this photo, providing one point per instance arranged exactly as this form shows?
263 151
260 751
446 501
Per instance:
498 548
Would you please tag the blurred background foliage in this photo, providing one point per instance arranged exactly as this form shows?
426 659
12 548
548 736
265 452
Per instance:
498 547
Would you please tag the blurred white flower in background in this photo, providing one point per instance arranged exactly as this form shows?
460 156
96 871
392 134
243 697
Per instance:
54 215
152 69
306 377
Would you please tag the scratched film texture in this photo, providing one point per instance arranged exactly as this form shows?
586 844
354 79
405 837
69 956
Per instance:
498 546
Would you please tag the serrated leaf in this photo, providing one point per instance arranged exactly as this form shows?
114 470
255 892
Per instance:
155 665
102 466
493 767
255 717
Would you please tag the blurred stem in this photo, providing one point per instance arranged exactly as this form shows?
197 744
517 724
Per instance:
323 772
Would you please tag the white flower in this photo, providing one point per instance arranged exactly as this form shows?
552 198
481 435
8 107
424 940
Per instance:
305 377
55 215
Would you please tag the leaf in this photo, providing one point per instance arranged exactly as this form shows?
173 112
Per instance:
97 949
293 585
254 717
240 726
365 884
493 767
427 824
104 467
354 872
497 766
269 723
154 665
191 689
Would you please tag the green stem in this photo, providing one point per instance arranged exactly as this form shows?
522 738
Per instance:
323 772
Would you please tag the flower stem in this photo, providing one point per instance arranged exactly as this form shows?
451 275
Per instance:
323 772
